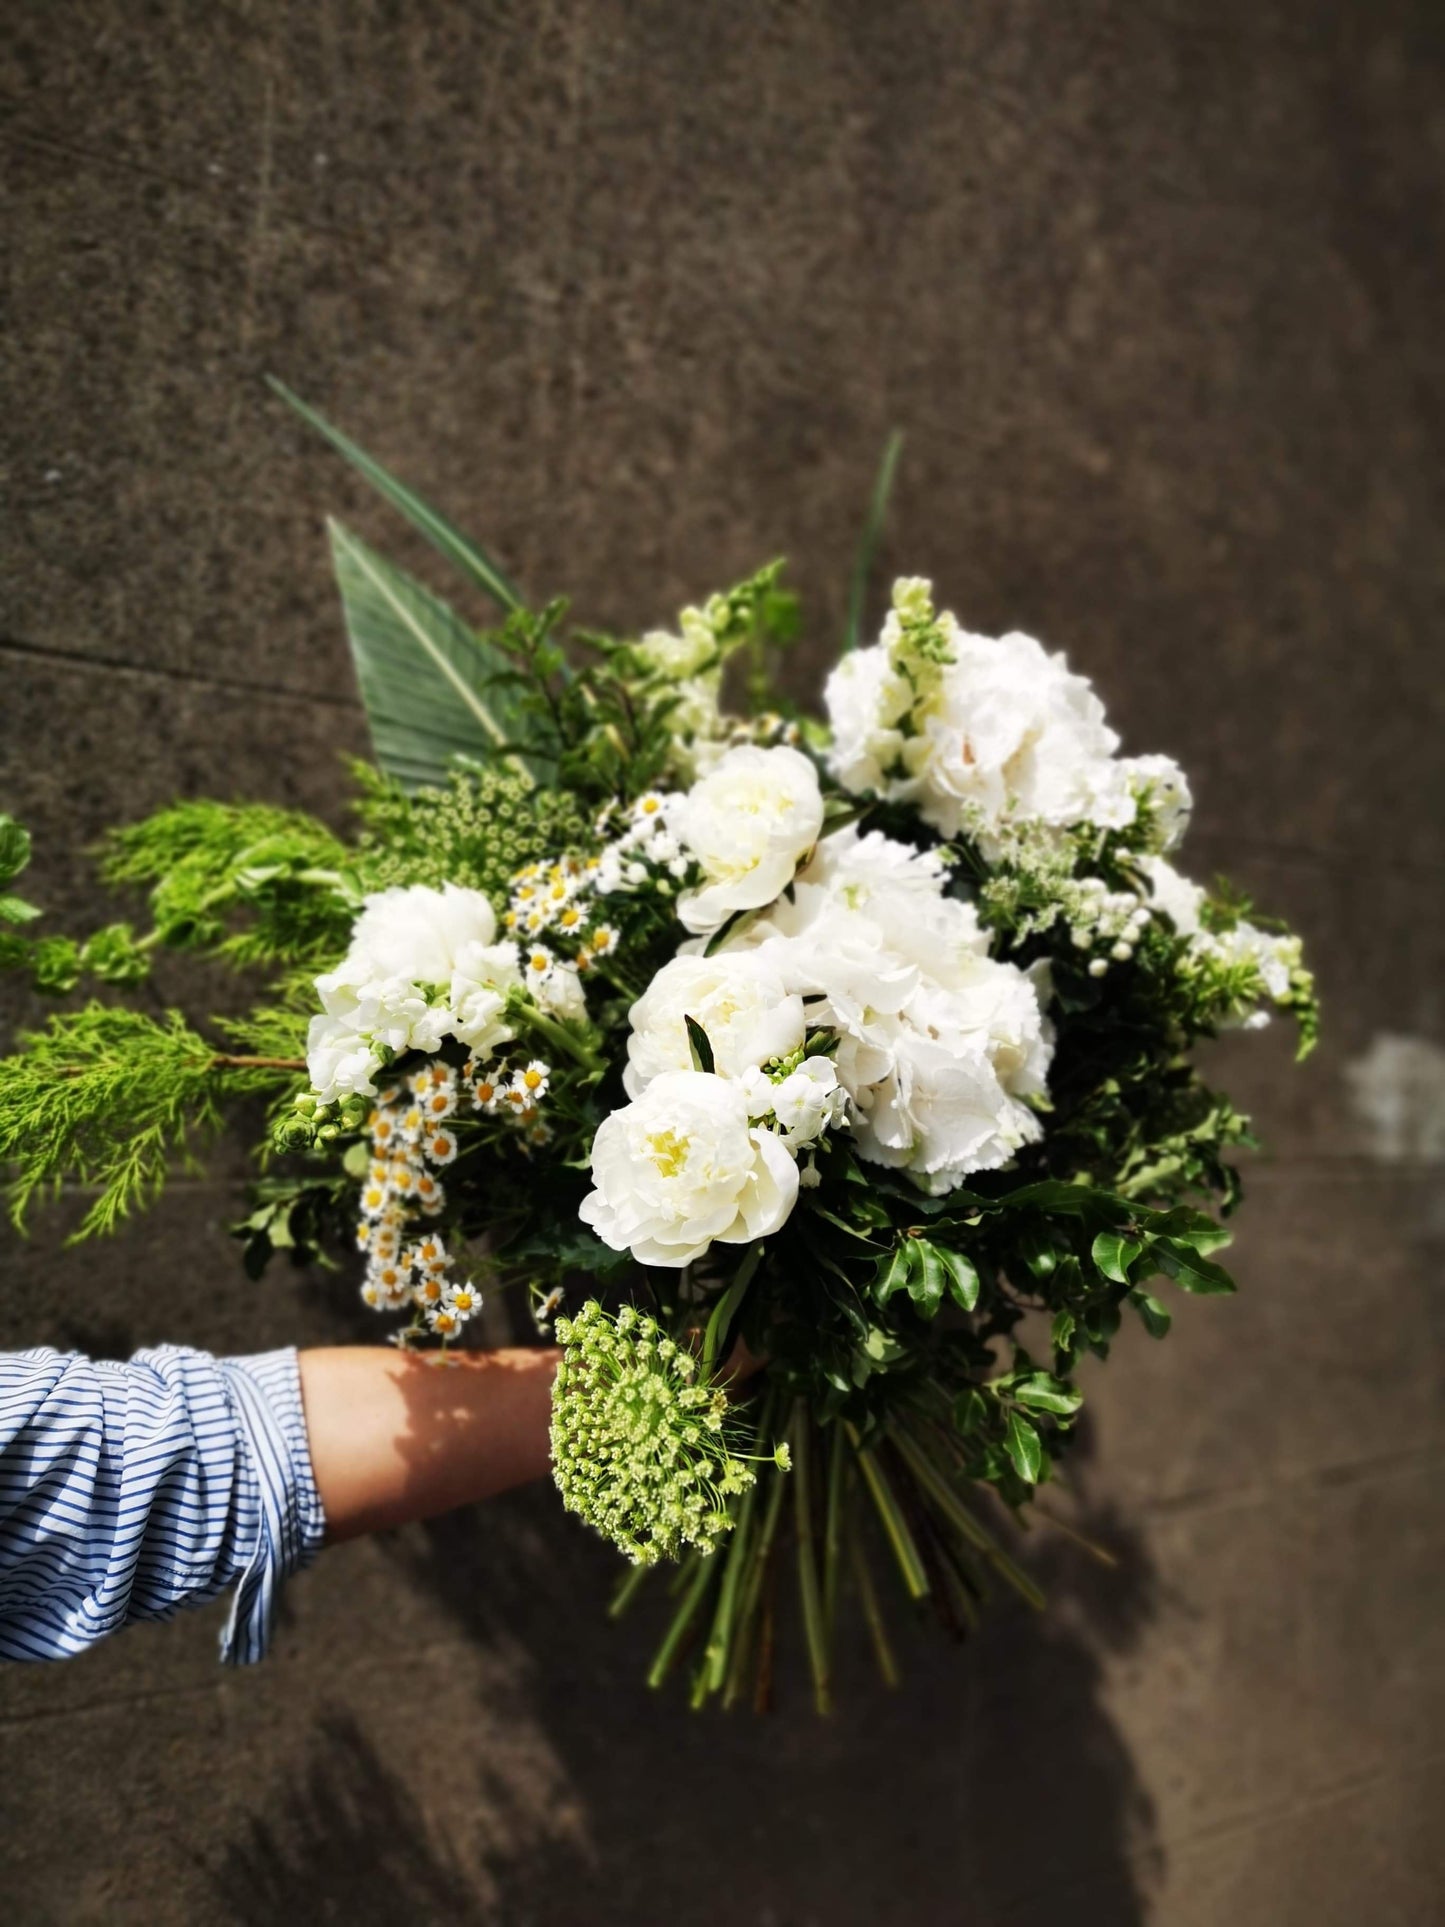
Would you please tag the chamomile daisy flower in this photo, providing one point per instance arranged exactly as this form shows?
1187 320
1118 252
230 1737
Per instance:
444 1321
402 1177
572 919
375 1198
413 1123
534 1080
385 1242
364 1231
486 1093
464 1300
440 1146
393 1282
371 1295
428 1291
383 1132
429 1254
604 940
429 1193
540 964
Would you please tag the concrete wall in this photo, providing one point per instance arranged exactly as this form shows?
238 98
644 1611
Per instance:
637 291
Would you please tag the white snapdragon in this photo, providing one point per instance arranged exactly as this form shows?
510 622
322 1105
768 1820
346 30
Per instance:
748 825
682 1167
738 999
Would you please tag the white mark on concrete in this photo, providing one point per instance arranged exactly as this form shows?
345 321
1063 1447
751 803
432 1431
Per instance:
1397 1089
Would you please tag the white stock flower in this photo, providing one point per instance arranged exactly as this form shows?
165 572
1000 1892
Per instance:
418 932
1179 899
680 656
681 1167
481 977
739 1000
341 1060
805 1103
941 1112
748 823
1165 787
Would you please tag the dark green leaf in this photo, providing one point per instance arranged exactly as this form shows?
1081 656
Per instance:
1062 1334
1024 1447
421 671
962 1275
700 1045
893 1272
1113 1253
1156 1319
1191 1272
1044 1393
927 1277
17 910
14 849
970 1410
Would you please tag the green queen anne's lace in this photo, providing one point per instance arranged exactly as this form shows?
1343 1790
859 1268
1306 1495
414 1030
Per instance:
641 1441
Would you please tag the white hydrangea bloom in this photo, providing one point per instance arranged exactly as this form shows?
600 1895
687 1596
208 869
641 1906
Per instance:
748 823
683 1167
739 1000
939 1045
978 731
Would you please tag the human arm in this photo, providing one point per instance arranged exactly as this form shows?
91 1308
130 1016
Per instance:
396 1436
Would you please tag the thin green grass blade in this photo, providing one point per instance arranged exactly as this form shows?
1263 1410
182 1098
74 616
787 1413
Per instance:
872 530
460 550
423 673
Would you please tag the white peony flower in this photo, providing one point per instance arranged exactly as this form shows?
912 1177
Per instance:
739 1000
682 1167
419 932
748 824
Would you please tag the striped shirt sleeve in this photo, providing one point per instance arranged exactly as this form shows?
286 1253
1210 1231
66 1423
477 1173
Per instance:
130 1490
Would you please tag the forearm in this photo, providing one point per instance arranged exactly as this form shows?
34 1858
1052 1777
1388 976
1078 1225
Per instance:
397 1436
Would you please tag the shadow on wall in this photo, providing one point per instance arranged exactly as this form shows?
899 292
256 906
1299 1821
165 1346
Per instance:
989 1789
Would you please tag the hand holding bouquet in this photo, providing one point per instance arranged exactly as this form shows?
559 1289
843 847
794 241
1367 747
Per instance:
864 1043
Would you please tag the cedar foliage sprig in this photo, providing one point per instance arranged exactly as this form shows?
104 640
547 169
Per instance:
112 1099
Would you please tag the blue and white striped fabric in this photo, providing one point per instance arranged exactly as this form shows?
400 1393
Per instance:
129 1491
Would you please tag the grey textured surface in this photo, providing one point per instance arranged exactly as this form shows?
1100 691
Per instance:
636 291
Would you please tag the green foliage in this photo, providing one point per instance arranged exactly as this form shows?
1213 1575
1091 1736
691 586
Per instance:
642 1442
434 689
109 1099
257 885
478 829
